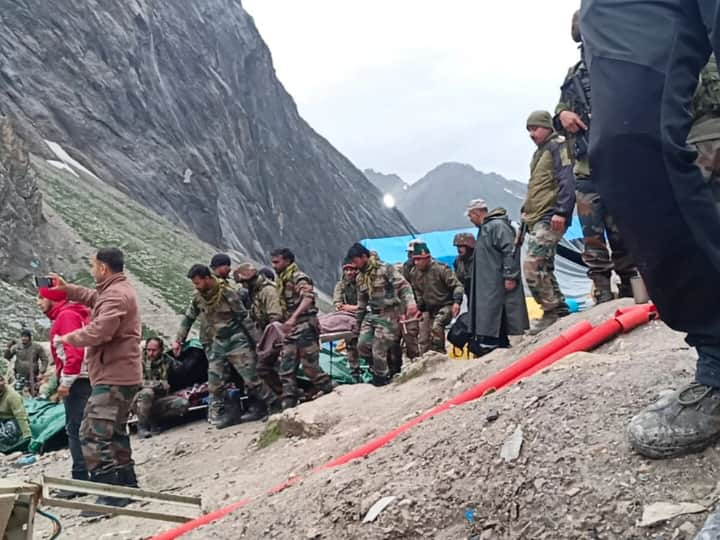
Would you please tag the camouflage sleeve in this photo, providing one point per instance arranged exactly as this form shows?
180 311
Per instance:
417 291
564 103
338 294
271 304
191 314
304 286
363 299
402 287
234 299
563 168
453 283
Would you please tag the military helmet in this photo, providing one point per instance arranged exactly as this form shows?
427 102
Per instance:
464 239
575 28
540 119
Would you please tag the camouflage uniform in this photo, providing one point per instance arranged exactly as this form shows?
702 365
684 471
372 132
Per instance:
596 222
436 290
265 308
551 191
154 402
103 432
383 290
705 133
412 332
233 343
31 362
346 293
302 345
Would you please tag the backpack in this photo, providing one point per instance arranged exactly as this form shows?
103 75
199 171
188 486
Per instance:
459 334
707 96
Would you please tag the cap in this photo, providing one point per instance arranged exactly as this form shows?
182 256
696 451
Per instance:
540 119
54 295
476 204
220 259
348 265
26 332
420 250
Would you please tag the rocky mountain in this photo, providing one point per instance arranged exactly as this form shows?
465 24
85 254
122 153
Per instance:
387 183
177 106
438 200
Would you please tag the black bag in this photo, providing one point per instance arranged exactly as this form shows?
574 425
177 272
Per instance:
189 369
459 334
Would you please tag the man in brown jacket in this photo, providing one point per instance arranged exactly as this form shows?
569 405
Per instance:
114 359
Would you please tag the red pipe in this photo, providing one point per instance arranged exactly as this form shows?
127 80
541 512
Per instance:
501 379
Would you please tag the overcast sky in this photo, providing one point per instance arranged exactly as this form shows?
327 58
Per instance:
404 85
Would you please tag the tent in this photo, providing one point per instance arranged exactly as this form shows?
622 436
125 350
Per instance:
569 268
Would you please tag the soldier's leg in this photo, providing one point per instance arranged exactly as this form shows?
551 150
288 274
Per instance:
243 359
288 363
411 335
365 340
351 346
386 332
440 319
644 60
217 370
168 407
143 405
595 255
424 330
96 432
267 371
122 452
309 343
539 265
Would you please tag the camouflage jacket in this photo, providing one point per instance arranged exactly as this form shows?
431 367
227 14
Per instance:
264 299
298 287
436 286
706 105
567 103
551 189
222 313
157 371
31 358
463 271
345 293
380 287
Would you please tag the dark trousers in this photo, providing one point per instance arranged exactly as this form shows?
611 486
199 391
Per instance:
74 409
644 59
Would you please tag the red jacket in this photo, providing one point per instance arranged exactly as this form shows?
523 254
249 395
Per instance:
67 317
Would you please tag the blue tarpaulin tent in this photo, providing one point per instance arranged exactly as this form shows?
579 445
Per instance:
570 272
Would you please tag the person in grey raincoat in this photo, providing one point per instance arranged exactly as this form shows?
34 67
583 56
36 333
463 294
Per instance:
497 300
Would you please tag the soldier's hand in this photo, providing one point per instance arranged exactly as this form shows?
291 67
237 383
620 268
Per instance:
572 122
557 223
63 391
412 312
176 348
510 285
456 310
11 344
288 326
59 284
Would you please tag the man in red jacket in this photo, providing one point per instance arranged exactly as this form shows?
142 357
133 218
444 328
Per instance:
74 386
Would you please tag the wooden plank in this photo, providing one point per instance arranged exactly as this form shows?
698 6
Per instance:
335 336
95 488
116 511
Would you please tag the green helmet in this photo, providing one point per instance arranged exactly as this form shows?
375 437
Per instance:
575 28
540 119
464 239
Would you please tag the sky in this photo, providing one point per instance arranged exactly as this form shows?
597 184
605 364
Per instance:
401 86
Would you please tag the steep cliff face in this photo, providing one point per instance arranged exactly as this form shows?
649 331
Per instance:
177 105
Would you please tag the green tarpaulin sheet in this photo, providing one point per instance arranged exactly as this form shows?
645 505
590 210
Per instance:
335 365
47 419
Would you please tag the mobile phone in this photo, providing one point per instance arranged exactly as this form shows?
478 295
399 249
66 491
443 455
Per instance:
43 282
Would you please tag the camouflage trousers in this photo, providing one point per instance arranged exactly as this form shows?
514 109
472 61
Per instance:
235 353
378 333
539 266
415 335
437 320
103 431
302 346
708 161
351 346
153 405
597 224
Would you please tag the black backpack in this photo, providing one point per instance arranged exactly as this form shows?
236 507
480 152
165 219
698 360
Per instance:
459 334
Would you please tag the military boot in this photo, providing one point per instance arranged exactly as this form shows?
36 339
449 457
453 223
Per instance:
257 410
678 423
126 476
143 430
67 495
288 403
380 380
112 479
548 319
230 415
356 376
215 410
625 289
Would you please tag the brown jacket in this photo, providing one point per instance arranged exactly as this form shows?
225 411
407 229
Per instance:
113 336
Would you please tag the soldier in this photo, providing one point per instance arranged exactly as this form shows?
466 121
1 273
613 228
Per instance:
381 292
704 135
572 117
345 298
220 265
644 60
154 403
302 341
14 424
31 361
547 213
265 308
234 340
437 293
414 333
465 244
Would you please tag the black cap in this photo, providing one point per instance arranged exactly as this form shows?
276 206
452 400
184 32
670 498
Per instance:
220 259
26 332
357 250
268 273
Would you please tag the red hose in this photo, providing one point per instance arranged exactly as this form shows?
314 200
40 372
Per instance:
513 372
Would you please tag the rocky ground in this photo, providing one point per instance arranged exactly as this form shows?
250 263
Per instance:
575 476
